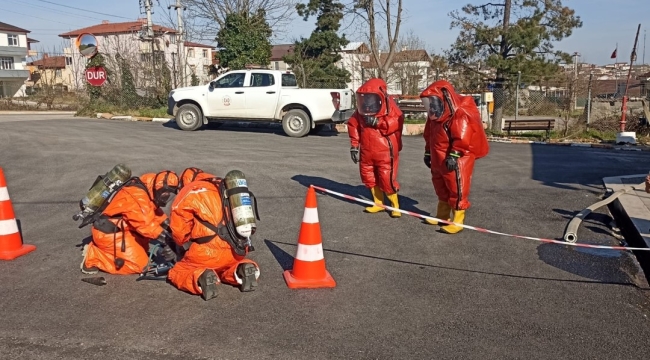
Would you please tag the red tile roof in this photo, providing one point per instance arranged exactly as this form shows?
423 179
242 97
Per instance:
193 44
49 62
11 28
278 51
115 28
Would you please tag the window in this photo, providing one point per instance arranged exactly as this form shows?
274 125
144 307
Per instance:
258 80
12 40
205 53
68 60
6 63
289 80
190 52
276 65
57 73
231 81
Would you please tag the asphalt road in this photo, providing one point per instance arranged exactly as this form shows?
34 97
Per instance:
404 290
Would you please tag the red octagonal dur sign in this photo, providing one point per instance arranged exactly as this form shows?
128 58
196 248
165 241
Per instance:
96 76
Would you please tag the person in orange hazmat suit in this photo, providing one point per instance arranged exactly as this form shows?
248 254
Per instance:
375 131
198 215
454 139
132 219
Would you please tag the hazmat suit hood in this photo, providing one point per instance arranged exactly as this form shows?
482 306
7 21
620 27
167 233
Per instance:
372 100
161 186
440 100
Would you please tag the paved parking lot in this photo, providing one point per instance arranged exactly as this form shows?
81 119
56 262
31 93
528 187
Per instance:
403 290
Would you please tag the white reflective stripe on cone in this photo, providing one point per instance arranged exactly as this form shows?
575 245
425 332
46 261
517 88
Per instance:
4 194
309 252
310 216
8 227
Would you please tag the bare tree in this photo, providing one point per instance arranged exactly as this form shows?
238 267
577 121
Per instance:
208 16
374 14
412 64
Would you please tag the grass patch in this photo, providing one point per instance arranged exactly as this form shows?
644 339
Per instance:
589 135
92 109
415 121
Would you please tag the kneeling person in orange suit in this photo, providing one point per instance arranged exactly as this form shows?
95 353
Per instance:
216 254
132 219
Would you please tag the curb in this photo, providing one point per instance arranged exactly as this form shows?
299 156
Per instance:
35 112
583 145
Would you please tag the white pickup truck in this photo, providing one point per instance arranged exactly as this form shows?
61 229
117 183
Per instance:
258 95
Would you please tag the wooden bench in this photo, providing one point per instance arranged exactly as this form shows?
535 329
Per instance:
530 125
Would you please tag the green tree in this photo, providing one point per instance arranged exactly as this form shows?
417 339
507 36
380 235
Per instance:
512 36
95 92
314 59
194 80
127 93
244 39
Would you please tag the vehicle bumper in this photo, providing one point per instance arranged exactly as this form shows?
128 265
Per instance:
342 116
171 106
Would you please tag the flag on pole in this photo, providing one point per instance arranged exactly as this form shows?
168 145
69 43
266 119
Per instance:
614 53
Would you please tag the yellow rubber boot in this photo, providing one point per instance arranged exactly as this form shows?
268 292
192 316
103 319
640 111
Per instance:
443 213
394 202
378 198
458 218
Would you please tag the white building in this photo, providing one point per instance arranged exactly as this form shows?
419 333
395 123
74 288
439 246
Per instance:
128 40
14 49
353 55
410 72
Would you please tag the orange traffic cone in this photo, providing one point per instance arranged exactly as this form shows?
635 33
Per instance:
309 264
11 243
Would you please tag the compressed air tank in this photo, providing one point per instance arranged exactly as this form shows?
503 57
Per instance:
103 188
241 203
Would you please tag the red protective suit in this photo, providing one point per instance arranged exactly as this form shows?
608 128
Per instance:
379 145
457 131
201 200
127 225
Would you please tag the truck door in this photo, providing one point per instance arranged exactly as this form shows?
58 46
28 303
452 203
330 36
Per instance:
227 96
261 96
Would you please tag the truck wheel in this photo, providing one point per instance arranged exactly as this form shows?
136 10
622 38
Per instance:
296 123
189 117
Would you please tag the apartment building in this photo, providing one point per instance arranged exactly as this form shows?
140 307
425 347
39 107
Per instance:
14 49
129 41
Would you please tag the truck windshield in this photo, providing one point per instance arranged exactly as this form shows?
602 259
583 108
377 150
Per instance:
289 80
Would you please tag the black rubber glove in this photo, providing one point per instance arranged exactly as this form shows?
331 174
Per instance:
452 160
167 253
427 159
354 154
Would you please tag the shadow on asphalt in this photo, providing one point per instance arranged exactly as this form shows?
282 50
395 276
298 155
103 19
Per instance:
360 191
283 258
263 128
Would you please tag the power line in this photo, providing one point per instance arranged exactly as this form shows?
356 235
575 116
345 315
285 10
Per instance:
80 9
55 10
36 17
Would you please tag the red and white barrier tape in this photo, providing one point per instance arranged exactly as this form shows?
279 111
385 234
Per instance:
478 228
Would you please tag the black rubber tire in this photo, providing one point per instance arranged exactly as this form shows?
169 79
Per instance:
296 123
193 121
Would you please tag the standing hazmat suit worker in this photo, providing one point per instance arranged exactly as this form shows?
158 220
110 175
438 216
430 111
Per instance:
375 131
133 217
216 255
454 139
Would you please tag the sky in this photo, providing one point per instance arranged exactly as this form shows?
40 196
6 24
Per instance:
606 23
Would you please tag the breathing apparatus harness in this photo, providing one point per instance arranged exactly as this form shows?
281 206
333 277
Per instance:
226 228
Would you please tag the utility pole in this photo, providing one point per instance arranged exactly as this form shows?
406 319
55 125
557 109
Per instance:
499 96
644 46
591 76
149 36
627 82
180 42
575 80
517 95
